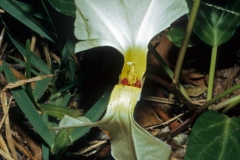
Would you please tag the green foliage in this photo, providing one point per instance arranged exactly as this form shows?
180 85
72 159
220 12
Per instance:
67 61
59 111
214 137
61 140
28 98
93 114
176 34
60 99
28 108
66 7
214 26
35 60
31 9
17 12
41 87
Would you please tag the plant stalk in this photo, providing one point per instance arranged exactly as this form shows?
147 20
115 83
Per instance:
232 105
184 45
219 96
166 69
212 73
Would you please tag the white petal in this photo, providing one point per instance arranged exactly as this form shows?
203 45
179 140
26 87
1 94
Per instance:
159 16
124 24
128 139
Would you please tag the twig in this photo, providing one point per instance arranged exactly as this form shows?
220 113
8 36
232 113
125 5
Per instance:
3 98
24 151
7 125
159 100
96 144
24 81
3 145
5 155
164 123
1 36
174 90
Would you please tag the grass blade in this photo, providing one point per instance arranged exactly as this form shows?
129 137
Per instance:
93 114
36 61
40 88
28 108
17 12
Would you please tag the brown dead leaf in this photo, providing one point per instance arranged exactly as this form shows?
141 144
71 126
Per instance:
194 91
224 79
34 147
192 77
163 49
145 116
3 81
165 117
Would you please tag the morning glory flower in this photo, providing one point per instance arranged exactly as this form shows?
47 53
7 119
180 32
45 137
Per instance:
128 26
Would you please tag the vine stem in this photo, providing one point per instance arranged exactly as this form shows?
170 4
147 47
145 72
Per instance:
212 73
218 97
184 45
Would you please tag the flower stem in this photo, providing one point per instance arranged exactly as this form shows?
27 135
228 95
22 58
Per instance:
215 99
226 103
232 105
184 45
212 73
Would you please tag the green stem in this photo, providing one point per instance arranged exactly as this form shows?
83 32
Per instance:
215 99
161 61
46 10
187 35
232 105
226 103
166 69
212 73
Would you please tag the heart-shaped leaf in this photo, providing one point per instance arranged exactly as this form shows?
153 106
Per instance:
214 137
214 26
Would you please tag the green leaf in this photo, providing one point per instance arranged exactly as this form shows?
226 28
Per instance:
45 151
59 111
60 99
66 7
45 148
35 60
17 12
214 26
30 9
93 114
67 59
23 63
40 87
214 137
28 108
28 58
28 71
176 34
61 140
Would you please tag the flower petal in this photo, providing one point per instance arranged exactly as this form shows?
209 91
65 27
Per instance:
128 139
124 24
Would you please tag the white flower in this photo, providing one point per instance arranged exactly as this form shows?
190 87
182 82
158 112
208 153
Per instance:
128 26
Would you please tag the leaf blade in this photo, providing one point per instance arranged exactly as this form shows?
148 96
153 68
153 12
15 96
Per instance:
29 109
214 26
214 136
36 61
17 12
66 7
